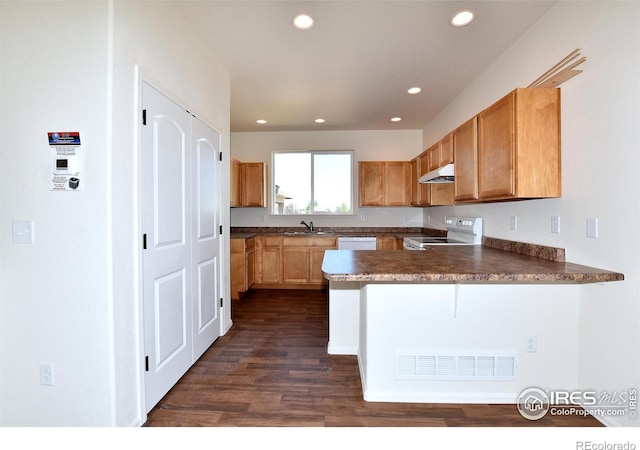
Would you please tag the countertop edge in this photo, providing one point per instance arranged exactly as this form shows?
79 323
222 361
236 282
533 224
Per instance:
480 278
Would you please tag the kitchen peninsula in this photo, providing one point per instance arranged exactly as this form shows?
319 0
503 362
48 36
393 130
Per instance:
456 324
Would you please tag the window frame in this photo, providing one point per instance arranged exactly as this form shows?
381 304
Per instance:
272 182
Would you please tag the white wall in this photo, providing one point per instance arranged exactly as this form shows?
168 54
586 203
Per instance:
54 294
71 298
600 163
367 146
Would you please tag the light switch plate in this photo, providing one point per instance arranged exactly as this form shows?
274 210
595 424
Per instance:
22 232
555 224
592 228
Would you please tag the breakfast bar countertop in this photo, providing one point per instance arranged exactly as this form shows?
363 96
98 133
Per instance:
456 264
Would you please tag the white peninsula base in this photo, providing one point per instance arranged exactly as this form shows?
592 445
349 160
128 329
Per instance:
456 343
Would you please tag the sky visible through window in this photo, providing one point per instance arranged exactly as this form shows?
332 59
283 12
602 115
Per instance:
312 182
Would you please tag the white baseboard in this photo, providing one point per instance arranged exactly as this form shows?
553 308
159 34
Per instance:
337 350
440 397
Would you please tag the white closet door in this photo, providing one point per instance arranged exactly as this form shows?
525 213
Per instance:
206 236
181 222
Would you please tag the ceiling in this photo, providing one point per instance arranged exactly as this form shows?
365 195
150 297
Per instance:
354 67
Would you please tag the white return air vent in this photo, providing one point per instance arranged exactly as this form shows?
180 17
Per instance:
464 366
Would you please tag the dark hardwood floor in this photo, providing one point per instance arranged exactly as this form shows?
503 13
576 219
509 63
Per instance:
272 370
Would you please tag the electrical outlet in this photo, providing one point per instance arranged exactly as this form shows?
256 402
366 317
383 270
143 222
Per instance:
531 345
46 374
555 224
514 223
363 218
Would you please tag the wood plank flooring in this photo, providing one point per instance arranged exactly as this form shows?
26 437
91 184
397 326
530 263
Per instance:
272 370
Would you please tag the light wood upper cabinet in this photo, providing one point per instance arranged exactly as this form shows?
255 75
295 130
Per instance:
424 194
441 153
434 157
248 184
385 183
446 150
254 178
236 183
519 146
414 181
465 149
424 190
371 181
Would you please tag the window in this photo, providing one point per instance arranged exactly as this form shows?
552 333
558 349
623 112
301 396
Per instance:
312 182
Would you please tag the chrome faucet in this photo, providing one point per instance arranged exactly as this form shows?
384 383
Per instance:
310 226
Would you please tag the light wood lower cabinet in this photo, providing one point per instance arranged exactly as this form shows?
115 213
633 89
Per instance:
269 260
386 243
243 257
302 259
284 262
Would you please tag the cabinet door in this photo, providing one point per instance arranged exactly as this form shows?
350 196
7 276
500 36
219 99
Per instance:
441 194
250 267
316 256
236 183
465 150
270 267
237 268
496 150
446 150
371 183
268 259
295 268
434 157
424 190
396 183
253 183
415 186
385 243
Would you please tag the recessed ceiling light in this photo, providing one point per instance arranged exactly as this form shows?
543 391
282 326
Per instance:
396 119
414 90
462 18
303 22
319 120
261 121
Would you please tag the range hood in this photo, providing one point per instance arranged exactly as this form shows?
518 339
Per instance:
442 175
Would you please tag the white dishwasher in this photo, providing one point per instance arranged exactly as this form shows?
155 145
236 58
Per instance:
356 243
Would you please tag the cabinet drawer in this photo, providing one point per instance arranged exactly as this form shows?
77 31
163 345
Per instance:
237 245
315 241
268 241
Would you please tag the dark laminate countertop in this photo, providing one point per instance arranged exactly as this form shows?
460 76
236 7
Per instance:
452 264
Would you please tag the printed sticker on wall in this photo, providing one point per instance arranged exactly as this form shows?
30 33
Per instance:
67 161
